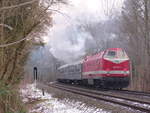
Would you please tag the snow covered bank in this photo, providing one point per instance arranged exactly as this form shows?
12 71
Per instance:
48 104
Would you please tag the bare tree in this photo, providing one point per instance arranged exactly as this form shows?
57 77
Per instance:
20 22
135 26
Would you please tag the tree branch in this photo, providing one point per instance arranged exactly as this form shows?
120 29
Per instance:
19 5
7 26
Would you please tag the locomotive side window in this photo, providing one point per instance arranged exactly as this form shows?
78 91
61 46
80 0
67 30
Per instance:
122 54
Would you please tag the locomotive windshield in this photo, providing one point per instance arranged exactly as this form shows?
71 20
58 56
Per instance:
116 54
122 54
110 54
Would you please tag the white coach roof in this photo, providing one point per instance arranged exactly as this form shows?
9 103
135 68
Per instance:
71 64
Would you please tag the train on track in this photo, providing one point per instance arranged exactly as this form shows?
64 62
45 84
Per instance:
107 69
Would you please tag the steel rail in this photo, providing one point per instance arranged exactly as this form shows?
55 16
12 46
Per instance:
102 96
137 93
132 92
110 95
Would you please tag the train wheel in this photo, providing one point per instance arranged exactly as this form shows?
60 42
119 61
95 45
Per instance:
85 82
79 82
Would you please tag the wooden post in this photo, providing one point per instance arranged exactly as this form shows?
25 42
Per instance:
43 92
35 75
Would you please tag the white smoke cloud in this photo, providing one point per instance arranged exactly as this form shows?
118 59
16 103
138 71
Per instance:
67 42
67 38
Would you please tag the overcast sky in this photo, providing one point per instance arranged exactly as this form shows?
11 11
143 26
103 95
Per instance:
102 7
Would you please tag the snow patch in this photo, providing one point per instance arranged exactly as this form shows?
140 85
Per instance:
49 104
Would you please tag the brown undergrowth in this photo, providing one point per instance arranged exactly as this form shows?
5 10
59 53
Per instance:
10 101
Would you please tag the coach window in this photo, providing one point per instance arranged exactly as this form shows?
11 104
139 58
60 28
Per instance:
71 69
77 69
62 70
65 70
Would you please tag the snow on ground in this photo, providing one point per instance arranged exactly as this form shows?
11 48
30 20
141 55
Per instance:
48 104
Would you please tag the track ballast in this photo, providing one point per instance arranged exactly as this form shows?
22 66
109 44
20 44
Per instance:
134 103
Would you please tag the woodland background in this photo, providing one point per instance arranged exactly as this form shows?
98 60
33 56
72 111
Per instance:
22 20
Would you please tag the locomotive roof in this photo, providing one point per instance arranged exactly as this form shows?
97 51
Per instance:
90 57
115 49
99 54
71 64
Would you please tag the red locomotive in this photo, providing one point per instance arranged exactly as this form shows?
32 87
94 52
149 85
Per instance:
109 69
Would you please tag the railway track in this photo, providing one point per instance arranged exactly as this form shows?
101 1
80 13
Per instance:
134 93
138 93
133 103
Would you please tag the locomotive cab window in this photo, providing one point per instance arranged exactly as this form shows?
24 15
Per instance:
110 54
116 54
122 54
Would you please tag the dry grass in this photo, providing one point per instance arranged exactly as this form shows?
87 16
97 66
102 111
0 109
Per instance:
10 101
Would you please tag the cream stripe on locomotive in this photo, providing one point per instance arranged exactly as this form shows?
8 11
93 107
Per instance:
105 72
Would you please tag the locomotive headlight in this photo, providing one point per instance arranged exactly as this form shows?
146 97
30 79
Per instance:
126 72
